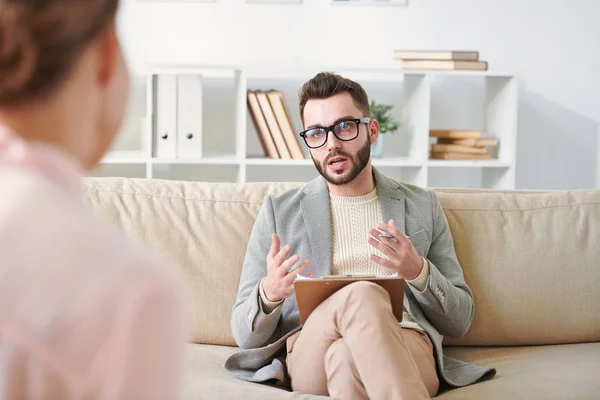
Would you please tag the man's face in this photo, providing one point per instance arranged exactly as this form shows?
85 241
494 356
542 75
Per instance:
339 162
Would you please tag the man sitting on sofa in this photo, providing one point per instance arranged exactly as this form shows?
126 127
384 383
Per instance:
351 346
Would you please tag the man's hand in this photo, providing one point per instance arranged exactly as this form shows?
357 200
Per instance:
403 257
279 282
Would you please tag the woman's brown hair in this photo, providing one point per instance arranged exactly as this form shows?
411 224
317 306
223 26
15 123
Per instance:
41 40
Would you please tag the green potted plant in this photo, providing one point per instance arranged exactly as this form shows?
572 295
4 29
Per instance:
381 112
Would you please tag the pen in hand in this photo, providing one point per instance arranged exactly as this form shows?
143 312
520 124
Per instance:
386 235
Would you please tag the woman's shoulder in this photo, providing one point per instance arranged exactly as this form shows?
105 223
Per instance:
67 238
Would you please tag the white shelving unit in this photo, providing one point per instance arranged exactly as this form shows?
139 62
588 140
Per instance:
231 151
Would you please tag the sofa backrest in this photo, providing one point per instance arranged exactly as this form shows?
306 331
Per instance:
531 258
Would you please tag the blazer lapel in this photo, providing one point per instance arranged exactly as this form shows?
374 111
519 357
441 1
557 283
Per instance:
391 200
393 203
317 218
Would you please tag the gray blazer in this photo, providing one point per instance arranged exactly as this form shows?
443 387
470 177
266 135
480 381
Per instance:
301 218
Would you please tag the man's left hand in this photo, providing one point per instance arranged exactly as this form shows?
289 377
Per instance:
402 255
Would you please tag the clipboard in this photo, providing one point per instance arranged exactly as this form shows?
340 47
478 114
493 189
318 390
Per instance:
310 293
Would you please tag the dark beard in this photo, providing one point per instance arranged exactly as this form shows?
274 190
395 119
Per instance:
358 164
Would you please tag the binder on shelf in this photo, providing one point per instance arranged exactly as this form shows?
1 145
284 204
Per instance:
165 130
262 129
285 123
189 116
267 111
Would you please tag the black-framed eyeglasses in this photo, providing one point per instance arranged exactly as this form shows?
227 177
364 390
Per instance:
344 130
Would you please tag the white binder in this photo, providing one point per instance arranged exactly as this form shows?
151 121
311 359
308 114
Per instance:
189 116
165 132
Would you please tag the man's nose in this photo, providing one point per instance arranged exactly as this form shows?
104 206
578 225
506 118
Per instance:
332 141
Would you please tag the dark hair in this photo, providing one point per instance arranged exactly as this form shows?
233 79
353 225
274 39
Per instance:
41 40
326 84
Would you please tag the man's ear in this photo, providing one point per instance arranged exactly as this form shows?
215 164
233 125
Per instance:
374 130
108 47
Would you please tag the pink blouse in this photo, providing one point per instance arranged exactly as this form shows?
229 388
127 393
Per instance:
84 312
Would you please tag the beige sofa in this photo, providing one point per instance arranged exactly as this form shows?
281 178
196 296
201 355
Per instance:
531 258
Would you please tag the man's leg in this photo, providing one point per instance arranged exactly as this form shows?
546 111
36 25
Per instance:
343 381
421 348
375 348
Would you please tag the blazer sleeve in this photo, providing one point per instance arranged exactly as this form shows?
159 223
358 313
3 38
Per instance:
252 326
447 300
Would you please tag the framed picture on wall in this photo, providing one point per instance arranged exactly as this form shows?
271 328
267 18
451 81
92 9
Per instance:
372 2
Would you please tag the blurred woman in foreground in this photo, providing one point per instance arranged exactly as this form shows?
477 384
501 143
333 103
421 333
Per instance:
84 312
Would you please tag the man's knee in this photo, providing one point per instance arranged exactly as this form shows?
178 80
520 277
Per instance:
358 297
365 291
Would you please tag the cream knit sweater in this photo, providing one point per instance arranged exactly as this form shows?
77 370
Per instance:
351 219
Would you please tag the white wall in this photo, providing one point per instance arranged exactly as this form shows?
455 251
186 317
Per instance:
552 45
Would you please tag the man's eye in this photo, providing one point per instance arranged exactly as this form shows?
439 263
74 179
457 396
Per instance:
316 133
344 126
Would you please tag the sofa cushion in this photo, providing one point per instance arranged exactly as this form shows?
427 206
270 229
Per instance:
532 259
560 372
204 378
203 228
533 263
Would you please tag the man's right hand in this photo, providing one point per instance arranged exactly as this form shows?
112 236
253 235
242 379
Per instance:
279 282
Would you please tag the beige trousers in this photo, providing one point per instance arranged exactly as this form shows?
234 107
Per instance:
352 347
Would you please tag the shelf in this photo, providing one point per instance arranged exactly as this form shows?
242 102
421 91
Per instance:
382 162
363 74
469 163
136 158
370 4
396 162
223 160
431 72
273 161
232 160
124 157
210 71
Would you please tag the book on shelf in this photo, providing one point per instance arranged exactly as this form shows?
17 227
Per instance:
436 55
455 134
262 129
265 107
481 142
445 65
284 121
454 148
459 156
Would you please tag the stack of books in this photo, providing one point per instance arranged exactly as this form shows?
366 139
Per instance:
461 145
440 60
274 125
